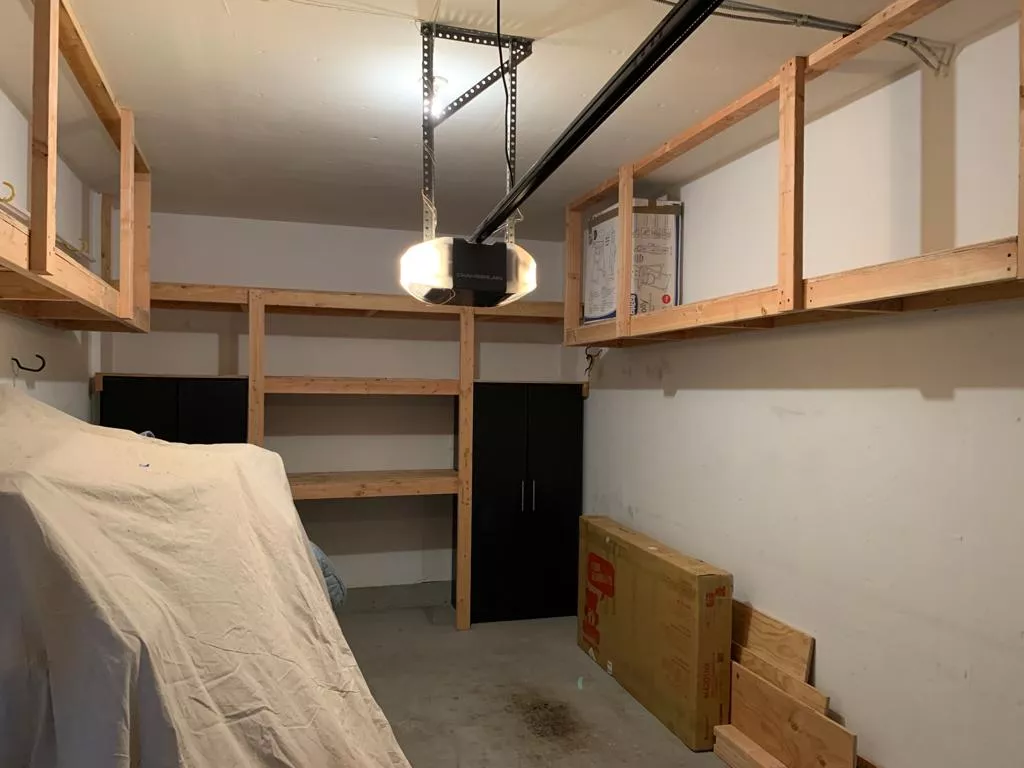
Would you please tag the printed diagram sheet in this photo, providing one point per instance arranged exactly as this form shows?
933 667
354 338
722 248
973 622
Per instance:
599 254
655 261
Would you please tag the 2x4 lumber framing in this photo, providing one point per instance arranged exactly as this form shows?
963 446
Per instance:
887 21
464 522
320 385
573 270
142 225
257 337
791 184
748 305
106 237
362 485
1020 135
593 333
86 69
974 265
624 253
45 59
126 242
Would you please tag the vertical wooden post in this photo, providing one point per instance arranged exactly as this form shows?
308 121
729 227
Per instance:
43 194
791 184
573 272
143 227
464 528
106 237
126 243
624 253
257 336
1020 139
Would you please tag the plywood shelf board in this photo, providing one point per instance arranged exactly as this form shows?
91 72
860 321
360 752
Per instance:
357 485
291 301
795 687
788 730
787 648
324 385
737 750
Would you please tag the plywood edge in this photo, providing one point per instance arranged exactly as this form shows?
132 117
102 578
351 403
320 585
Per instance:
795 687
325 385
723 310
595 333
370 484
964 267
737 750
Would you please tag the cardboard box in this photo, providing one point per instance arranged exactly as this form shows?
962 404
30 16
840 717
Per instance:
660 623
657 246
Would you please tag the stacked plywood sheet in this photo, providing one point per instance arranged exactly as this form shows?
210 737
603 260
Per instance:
778 720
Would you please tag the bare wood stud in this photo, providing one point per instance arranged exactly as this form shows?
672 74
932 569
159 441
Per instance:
573 270
106 237
1020 185
624 253
126 270
464 538
45 59
257 337
791 184
142 229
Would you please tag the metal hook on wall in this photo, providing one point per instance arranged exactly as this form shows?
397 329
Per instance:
9 197
42 364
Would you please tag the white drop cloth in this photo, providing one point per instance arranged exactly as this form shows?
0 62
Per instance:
159 607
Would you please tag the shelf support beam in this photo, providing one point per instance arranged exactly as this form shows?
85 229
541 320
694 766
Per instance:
126 254
45 68
574 272
792 80
464 534
624 253
257 384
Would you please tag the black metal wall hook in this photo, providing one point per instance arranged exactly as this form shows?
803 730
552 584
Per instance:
42 364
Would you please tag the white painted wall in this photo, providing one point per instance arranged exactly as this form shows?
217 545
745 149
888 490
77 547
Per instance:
64 383
861 480
373 542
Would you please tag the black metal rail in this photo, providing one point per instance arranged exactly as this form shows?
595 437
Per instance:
677 25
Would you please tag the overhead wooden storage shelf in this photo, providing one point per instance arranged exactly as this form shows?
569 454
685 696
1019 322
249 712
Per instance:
324 385
40 279
359 485
983 272
287 301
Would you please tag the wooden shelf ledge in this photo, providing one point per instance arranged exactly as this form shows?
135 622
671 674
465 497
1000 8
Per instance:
288 301
360 485
323 385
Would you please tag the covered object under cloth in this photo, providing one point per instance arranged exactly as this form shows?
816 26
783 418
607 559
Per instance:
159 607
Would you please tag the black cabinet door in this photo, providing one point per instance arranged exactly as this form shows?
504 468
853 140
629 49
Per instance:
213 410
555 468
140 404
499 504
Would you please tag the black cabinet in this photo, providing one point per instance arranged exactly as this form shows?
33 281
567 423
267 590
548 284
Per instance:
527 500
179 409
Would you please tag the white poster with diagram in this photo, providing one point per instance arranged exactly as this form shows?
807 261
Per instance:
656 274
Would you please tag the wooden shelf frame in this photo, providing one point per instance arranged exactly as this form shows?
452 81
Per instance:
330 385
364 485
982 272
40 280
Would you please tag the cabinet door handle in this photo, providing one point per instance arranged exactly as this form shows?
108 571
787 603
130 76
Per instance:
533 505
522 495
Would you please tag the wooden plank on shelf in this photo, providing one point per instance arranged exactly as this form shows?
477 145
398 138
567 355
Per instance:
791 184
197 296
887 21
106 237
573 299
126 242
548 312
86 69
787 648
789 731
737 750
464 462
355 303
325 385
972 265
43 187
745 106
624 253
723 310
795 687
257 338
362 485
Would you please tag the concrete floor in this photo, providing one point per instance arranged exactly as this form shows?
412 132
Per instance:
508 695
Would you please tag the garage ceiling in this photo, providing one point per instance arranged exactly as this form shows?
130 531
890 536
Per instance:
308 110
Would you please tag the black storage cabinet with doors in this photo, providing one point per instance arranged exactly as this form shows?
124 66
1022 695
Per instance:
527 500
179 409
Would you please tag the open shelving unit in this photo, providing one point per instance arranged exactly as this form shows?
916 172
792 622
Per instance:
975 273
40 278
455 480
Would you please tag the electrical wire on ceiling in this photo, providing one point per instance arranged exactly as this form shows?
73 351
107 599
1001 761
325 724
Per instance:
934 54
